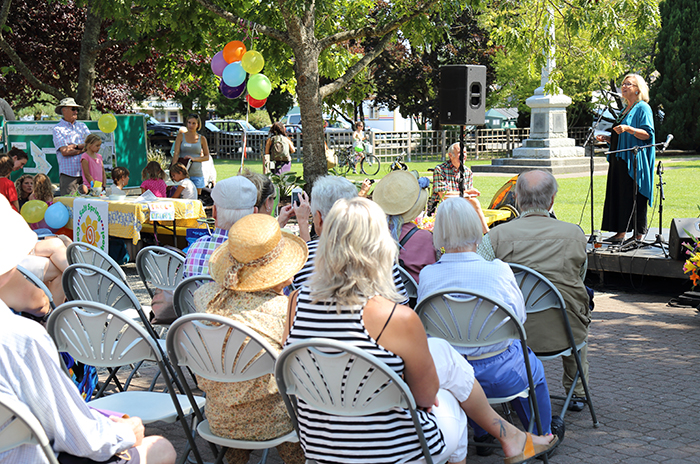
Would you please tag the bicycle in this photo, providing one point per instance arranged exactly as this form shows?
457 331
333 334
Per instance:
349 159
398 164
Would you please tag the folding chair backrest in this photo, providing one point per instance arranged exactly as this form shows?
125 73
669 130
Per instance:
160 268
91 283
183 298
38 283
79 252
409 282
467 318
23 428
218 348
98 335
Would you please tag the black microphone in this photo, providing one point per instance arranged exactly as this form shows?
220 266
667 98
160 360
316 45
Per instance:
668 140
659 169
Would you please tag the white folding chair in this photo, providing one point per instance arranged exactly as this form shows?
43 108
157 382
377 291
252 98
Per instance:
98 335
22 428
470 319
220 349
317 371
79 252
540 295
159 268
183 298
409 283
38 283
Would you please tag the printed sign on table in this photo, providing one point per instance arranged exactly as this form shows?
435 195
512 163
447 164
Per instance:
90 222
162 211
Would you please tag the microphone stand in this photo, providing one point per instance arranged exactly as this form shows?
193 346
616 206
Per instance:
589 146
659 241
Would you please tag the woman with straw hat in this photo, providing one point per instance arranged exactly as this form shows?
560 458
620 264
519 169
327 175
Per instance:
250 271
402 198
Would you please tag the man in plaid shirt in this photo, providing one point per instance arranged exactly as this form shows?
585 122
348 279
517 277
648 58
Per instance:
446 181
234 198
69 139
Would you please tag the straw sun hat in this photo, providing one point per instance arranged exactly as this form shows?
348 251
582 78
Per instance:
399 194
70 102
257 255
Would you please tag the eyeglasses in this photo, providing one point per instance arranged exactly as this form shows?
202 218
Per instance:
75 110
628 84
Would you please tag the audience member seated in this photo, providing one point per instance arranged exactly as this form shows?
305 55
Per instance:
233 198
25 187
499 368
250 270
446 184
325 192
557 250
7 187
185 188
30 372
351 297
403 199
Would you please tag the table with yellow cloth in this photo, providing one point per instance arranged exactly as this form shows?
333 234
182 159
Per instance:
126 218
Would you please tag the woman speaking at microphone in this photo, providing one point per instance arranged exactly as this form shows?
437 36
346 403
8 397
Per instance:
633 128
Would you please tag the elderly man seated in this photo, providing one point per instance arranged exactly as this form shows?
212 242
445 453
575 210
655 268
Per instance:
557 250
499 368
446 184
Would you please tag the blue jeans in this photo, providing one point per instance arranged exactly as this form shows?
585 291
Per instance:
504 375
198 181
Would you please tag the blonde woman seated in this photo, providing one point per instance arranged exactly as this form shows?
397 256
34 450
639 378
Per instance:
352 297
250 271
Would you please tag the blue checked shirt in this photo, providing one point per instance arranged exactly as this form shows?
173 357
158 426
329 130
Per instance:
197 261
64 134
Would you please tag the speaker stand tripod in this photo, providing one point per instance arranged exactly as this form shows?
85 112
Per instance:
659 241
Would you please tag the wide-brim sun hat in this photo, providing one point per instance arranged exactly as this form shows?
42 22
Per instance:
67 102
257 255
399 194
17 238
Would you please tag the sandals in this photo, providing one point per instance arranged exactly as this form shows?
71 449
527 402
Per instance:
531 450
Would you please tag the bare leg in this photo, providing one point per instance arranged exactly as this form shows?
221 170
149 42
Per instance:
54 249
512 440
156 450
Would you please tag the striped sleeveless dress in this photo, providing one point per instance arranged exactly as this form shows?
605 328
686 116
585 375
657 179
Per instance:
388 437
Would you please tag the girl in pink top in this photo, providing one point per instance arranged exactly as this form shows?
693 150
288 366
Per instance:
153 176
91 163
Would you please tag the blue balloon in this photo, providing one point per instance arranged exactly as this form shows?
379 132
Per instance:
234 74
56 215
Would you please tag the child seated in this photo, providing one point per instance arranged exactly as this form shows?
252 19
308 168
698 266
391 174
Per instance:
185 188
153 176
120 177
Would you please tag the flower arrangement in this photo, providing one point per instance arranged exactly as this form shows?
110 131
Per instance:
423 221
692 264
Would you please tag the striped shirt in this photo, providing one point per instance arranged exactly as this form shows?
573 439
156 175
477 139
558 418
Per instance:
302 277
382 438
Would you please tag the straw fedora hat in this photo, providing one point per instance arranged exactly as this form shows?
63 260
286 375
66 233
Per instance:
257 255
66 102
399 194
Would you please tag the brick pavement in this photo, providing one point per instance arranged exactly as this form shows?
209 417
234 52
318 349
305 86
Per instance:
643 357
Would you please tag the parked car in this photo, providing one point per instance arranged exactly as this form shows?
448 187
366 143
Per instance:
230 136
291 129
161 135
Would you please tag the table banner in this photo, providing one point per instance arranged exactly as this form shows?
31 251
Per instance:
91 222
161 211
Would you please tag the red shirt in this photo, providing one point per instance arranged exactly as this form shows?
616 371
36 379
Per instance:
7 188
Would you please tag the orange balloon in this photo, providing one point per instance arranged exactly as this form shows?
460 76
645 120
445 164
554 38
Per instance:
234 51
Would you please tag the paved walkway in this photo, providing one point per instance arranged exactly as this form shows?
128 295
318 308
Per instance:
643 375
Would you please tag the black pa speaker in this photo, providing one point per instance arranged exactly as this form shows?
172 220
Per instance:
678 236
462 94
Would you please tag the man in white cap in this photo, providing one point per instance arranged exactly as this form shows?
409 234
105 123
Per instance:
30 373
234 198
69 139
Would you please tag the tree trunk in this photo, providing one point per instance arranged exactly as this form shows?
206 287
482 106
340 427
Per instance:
88 59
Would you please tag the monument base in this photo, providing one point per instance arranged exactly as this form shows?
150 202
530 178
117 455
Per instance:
557 166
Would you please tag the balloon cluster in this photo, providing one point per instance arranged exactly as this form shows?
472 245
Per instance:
55 216
233 64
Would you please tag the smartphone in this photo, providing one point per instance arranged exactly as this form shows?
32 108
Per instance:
296 191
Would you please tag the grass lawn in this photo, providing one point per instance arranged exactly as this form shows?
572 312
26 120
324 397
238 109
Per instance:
681 177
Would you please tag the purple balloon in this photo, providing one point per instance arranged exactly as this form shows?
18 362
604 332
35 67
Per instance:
218 63
232 92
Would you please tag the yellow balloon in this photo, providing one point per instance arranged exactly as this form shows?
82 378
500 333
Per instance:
33 211
107 123
252 62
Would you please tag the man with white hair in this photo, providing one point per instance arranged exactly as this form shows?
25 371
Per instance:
557 250
446 183
234 198
69 139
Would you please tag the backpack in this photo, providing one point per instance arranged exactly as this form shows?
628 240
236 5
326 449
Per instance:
279 149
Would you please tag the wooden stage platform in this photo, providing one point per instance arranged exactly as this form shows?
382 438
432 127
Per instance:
643 261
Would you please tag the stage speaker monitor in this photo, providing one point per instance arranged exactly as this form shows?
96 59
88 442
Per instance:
462 95
678 236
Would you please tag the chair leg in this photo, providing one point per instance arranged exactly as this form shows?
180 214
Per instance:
589 401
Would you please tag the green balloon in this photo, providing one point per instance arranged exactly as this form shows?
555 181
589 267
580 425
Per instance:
252 62
33 211
259 86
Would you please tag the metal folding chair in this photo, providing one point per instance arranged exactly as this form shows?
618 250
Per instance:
317 371
96 334
22 428
409 283
467 318
220 349
183 298
159 268
79 252
540 295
